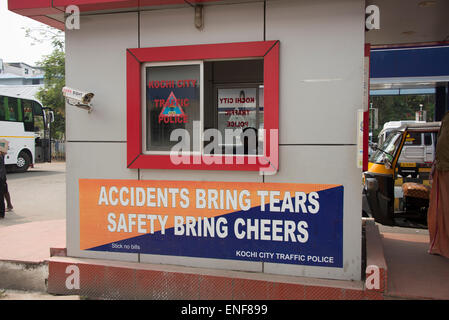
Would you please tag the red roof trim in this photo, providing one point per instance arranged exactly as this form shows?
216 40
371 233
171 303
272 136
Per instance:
40 9
30 8
49 21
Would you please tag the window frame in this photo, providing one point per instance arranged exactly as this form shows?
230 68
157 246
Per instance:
137 57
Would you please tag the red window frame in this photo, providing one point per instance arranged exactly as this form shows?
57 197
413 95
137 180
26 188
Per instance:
268 50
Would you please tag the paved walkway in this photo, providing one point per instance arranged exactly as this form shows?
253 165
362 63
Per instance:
412 272
37 195
31 242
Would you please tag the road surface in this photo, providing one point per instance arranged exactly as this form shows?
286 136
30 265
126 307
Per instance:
37 195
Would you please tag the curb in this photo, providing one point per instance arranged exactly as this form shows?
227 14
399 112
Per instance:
25 276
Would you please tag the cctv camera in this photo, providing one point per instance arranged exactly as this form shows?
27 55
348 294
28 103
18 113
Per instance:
78 98
77 95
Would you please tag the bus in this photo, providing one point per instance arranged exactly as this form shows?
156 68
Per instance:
25 124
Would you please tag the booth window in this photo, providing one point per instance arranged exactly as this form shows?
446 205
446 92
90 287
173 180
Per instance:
234 105
177 96
172 101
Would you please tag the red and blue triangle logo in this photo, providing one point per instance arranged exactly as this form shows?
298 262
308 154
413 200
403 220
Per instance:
172 107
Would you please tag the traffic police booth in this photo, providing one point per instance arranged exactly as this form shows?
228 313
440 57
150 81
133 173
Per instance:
157 189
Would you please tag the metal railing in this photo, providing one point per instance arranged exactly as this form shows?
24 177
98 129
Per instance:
58 150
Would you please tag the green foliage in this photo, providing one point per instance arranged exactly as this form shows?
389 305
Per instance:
401 107
50 95
54 80
58 127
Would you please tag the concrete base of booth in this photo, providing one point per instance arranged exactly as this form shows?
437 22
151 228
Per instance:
107 279
26 263
124 280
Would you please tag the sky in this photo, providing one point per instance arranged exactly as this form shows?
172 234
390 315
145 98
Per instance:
14 46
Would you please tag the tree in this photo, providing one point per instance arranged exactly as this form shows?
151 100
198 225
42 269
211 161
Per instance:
51 94
53 66
401 107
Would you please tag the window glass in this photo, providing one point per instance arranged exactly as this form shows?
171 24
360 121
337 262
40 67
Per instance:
237 110
28 119
39 125
240 116
387 149
172 102
13 112
428 138
2 108
233 106
413 139
37 109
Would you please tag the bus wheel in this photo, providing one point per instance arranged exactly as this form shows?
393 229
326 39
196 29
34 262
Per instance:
23 162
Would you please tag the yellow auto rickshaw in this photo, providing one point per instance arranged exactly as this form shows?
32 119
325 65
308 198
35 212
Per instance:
397 193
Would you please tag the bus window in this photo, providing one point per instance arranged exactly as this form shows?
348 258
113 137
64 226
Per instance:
2 108
13 112
28 120
37 109
39 125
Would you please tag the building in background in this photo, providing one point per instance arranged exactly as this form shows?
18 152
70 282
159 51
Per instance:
19 73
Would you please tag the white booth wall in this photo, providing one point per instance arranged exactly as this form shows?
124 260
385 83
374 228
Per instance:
321 88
